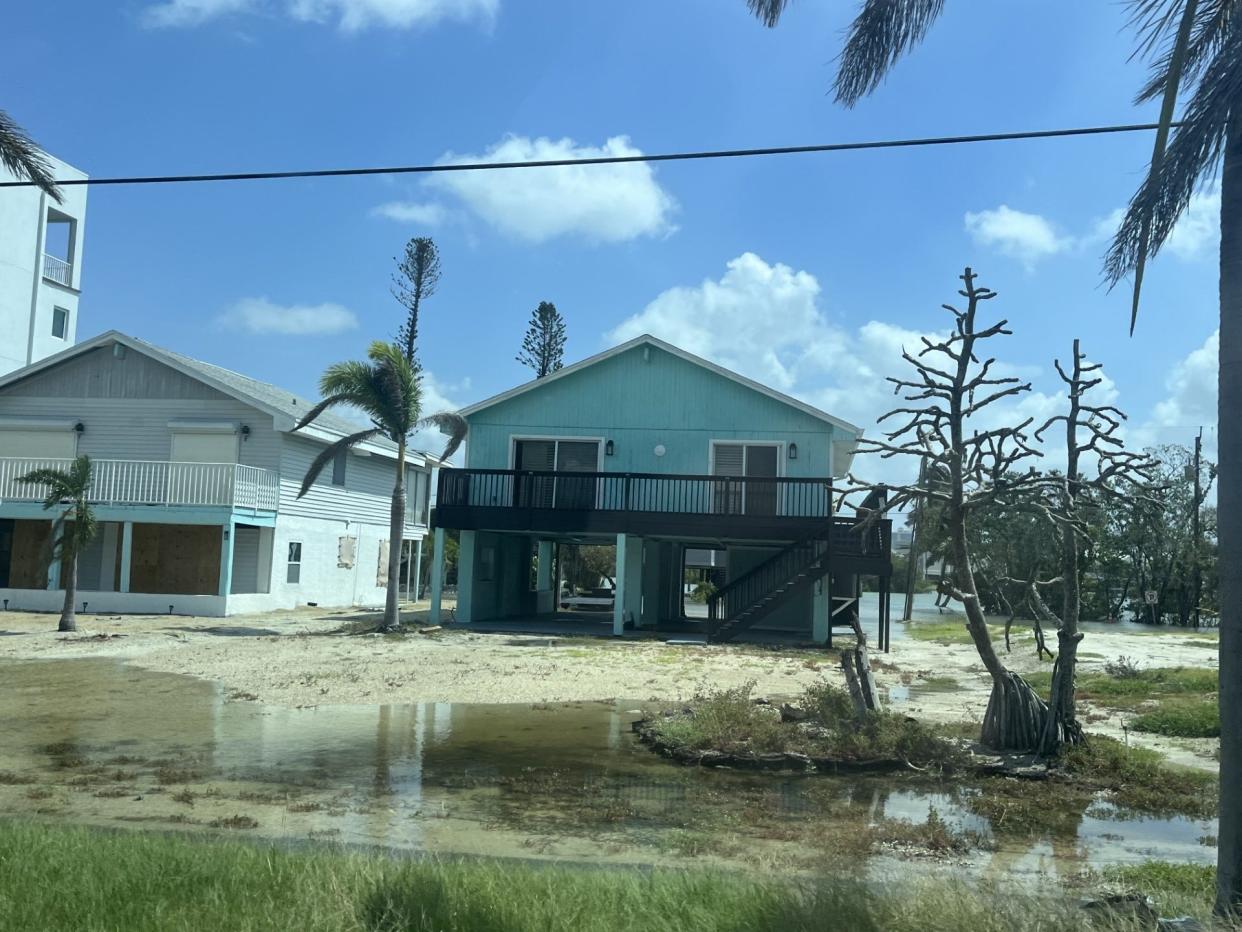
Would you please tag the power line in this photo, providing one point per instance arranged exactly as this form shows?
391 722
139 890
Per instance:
606 159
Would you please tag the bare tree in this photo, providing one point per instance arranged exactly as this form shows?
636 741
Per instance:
1090 431
975 469
543 347
416 279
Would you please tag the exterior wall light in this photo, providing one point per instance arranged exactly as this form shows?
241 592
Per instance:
609 449
659 449
79 427
793 451
245 431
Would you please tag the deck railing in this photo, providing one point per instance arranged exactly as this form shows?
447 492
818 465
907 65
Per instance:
636 492
57 270
153 482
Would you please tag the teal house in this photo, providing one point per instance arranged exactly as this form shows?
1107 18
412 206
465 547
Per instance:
655 451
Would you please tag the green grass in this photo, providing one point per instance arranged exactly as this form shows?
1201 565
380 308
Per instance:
1179 889
150 883
1141 779
1181 718
728 720
1174 701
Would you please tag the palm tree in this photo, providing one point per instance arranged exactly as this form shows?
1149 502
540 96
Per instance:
1192 43
387 390
72 529
20 155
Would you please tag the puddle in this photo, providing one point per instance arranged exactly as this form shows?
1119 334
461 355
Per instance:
98 742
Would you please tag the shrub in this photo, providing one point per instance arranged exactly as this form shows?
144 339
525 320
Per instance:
1181 718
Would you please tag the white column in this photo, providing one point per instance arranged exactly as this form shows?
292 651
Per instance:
545 595
629 596
127 554
437 576
821 612
418 569
226 558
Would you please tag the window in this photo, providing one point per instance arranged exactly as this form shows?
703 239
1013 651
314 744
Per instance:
754 465
60 323
294 573
346 551
338 467
560 456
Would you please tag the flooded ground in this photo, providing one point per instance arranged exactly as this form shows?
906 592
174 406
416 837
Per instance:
102 742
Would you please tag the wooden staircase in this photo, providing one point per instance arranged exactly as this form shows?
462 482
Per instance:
754 595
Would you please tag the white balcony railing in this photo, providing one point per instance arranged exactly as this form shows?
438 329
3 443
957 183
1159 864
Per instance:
57 270
153 482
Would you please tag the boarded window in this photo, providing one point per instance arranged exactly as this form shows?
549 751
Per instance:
204 447
381 571
346 551
294 572
60 444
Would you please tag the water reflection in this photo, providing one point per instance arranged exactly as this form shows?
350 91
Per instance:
107 743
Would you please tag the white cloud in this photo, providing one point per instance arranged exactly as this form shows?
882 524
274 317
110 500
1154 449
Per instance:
1197 233
1190 402
173 13
428 214
350 15
438 397
764 321
353 15
261 316
606 203
1022 236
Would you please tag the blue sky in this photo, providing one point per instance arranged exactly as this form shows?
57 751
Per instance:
807 272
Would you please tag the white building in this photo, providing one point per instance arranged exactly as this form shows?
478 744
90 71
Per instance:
196 476
40 268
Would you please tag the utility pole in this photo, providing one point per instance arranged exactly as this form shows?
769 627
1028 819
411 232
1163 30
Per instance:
1195 522
913 553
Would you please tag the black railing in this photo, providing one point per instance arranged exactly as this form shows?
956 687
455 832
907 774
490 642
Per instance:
635 492
844 537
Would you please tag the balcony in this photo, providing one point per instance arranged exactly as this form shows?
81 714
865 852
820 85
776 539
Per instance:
649 504
56 269
154 482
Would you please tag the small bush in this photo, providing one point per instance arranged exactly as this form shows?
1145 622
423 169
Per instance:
1140 778
1123 668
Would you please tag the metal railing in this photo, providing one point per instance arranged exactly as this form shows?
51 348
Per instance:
636 492
153 482
57 270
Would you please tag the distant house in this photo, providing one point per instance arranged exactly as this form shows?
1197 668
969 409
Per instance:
196 475
668 457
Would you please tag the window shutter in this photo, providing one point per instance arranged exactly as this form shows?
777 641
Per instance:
729 460
381 572
346 551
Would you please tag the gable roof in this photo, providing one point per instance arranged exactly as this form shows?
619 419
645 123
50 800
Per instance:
285 407
647 339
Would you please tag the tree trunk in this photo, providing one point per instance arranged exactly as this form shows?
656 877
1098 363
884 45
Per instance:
1061 726
1229 527
1014 719
69 568
396 531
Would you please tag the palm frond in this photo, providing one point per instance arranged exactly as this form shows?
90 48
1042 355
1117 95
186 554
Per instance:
881 33
328 454
20 155
1158 23
1172 81
768 11
452 424
321 407
1191 159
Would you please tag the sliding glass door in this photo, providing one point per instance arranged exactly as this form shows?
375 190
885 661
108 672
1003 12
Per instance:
560 456
754 462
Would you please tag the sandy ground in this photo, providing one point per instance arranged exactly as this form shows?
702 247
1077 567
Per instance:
293 659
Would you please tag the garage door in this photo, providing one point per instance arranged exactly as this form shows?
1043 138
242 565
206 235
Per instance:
204 447
38 444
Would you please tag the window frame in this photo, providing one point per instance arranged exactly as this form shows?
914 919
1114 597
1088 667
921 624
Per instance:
340 464
293 567
64 334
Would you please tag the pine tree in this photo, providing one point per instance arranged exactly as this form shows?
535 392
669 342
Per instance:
543 347
416 279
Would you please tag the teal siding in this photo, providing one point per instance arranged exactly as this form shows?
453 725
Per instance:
644 397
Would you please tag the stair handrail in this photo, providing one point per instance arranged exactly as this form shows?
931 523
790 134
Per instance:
822 533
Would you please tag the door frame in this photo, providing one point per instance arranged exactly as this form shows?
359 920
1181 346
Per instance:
735 442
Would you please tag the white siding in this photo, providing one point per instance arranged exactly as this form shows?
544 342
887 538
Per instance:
365 498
